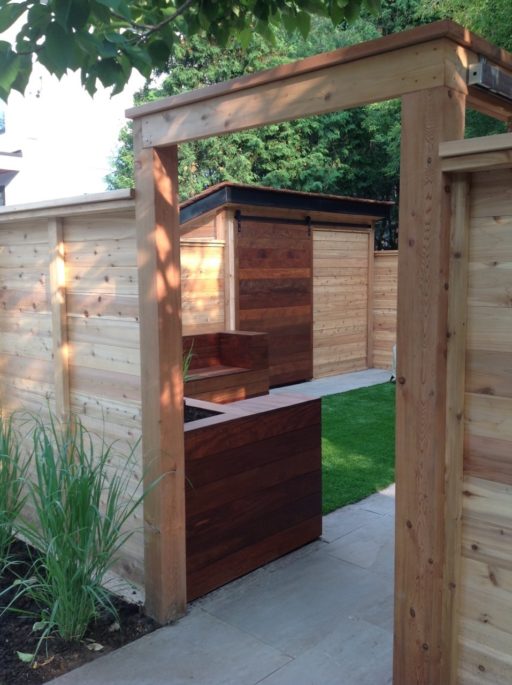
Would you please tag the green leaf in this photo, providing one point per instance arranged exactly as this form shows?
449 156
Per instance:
289 22
119 6
304 23
10 65
79 13
57 50
109 71
159 51
20 83
62 12
39 625
10 13
374 6
25 657
244 38
353 10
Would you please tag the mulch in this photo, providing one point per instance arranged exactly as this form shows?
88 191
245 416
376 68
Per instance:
56 656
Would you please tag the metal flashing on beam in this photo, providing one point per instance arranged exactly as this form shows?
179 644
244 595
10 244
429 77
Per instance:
491 78
256 196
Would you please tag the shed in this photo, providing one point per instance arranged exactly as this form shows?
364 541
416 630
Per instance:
298 266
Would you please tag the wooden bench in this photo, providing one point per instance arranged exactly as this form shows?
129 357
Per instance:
226 366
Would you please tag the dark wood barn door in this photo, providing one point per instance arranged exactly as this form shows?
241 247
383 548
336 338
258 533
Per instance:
275 294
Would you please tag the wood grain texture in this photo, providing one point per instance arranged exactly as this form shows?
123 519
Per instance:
340 282
226 367
486 629
253 488
485 635
279 300
384 303
57 273
423 629
455 405
157 214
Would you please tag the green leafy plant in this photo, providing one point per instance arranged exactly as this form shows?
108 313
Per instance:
105 39
12 473
82 505
187 361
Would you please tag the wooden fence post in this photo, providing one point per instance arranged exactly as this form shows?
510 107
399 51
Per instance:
157 217
424 539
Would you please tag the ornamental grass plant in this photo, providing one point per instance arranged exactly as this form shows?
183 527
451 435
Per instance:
81 508
12 474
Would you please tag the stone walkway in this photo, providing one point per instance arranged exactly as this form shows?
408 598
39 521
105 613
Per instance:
331 385
322 615
319 616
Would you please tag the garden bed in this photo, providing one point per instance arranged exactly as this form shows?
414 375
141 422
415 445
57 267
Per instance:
56 656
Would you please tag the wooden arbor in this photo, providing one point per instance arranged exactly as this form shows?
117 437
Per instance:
428 68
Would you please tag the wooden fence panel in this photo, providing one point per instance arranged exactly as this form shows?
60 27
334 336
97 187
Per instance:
340 301
202 286
486 602
26 348
98 320
385 290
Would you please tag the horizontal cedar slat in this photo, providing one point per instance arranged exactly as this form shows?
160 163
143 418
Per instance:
247 559
231 517
241 536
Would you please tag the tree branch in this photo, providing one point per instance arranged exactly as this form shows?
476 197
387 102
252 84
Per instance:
150 29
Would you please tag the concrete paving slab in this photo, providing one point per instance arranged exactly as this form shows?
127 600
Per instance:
382 502
332 385
200 649
370 547
380 613
295 608
356 653
345 520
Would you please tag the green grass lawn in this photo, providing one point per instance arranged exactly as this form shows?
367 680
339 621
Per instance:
358 444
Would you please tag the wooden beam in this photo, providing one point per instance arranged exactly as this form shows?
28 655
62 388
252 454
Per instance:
423 627
489 152
57 272
455 395
157 216
456 148
377 47
370 297
342 86
83 204
489 104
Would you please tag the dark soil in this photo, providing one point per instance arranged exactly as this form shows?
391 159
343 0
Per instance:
195 413
56 656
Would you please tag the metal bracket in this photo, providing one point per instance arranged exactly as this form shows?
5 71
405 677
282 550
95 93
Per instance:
491 78
308 224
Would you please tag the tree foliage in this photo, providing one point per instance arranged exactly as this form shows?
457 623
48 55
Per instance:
492 19
105 39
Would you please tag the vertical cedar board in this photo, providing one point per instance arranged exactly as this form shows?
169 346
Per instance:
158 243
423 631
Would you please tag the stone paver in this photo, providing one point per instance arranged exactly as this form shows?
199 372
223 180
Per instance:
332 385
199 649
